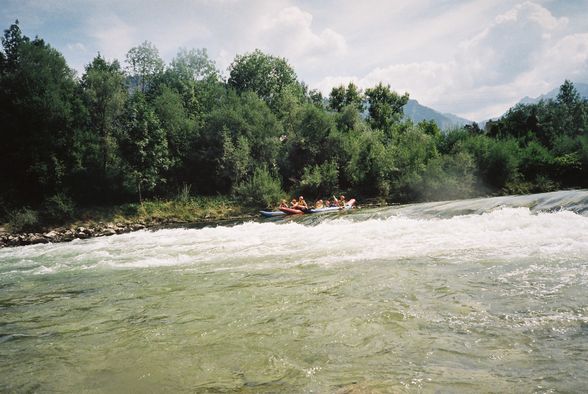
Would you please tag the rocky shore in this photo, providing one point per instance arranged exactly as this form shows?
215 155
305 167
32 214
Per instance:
62 234
89 230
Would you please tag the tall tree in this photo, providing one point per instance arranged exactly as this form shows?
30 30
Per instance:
104 96
143 145
384 106
341 97
337 98
144 64
568 95
38 110
266 75
194 65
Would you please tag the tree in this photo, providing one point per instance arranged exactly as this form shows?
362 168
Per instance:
195 77
39 113
194 65
341 97
568 95
354 97
143 145
266 75
239 134
144 64
384 106
181 127
104 96
337 98
308 144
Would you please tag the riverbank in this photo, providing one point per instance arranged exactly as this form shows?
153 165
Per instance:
106 221
120 219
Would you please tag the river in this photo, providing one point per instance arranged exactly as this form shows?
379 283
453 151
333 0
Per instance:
482 295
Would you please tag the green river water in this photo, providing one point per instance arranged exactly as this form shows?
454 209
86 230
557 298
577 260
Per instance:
485 295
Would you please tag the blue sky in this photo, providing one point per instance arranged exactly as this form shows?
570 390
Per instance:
472 58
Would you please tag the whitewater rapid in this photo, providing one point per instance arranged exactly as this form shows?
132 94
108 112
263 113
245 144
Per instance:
479 295
504 233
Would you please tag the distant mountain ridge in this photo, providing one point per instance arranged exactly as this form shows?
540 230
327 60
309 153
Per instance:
417 112
582 89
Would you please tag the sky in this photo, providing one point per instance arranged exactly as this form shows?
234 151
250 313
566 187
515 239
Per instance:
473 58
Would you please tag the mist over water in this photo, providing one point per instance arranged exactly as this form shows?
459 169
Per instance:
475 295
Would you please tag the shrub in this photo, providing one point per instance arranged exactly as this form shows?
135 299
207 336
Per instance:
24 219
261 190
58 209
320 180
184 194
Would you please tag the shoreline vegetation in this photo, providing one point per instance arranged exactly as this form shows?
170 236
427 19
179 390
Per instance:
106 221
160 144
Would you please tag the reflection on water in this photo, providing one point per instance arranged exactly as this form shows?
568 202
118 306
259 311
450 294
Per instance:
485 295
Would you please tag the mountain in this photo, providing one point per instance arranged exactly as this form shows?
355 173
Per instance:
582 89
417 112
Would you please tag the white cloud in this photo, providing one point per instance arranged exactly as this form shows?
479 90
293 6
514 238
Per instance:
114 37
77 47
473 58
523 51
290 33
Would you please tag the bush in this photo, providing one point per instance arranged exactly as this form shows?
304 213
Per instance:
58 209
262 190
184 194
320 180
22 220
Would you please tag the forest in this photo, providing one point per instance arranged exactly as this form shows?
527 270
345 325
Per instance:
145 130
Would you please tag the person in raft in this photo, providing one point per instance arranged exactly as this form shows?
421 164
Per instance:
301 204
293 204
283 204
318 204
341 202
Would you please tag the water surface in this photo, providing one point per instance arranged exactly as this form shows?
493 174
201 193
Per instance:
484 295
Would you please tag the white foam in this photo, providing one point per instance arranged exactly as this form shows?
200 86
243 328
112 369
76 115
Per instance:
507 233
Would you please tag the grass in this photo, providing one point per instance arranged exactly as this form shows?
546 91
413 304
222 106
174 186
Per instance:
185 210
154 212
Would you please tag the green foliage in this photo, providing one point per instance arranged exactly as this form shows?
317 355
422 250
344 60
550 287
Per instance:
184 128
568 95
194 65
23 220
184 194
308 143
412 154
143 145
342 97
39 111
266 75
239 133
371 164
262 190
104 95
320 180
58 208
497 160
384 106
448 177
144 65
536 161
235 161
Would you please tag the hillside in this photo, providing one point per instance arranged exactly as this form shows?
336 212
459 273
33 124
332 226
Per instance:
417 112
582 89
